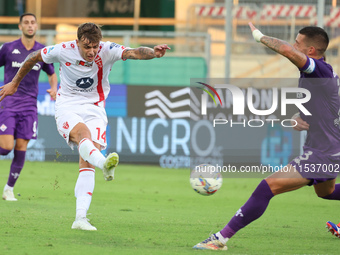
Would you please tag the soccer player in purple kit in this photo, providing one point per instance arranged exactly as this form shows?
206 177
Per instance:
18 114
322 144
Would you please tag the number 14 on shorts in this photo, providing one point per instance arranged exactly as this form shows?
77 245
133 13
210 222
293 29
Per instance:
101 135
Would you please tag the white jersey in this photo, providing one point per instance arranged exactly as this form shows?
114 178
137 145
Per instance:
82 82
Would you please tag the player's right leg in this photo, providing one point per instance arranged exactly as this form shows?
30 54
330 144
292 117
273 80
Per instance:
6 146
16 168
7 127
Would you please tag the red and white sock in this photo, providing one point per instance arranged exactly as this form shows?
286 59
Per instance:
90 153
83 191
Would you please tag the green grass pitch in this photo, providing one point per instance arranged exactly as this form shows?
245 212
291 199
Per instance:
149 210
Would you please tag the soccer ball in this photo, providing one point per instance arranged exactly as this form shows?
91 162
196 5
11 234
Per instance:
204 180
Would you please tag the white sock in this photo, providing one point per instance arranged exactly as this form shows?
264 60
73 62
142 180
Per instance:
90 153
83 191
222 239
8 187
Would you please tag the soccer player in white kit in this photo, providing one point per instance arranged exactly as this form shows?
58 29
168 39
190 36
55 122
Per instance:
80 115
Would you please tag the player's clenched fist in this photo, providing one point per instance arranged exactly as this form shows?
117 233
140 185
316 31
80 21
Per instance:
256 33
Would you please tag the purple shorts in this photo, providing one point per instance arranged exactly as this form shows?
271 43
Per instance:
316 166
19 124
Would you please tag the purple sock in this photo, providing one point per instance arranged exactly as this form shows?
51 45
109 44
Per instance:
335 195
16 166
4 151
250 211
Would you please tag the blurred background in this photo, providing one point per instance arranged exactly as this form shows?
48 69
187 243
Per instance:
147 104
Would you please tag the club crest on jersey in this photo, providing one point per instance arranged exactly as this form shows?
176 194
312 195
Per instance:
66 125
84 63
84 83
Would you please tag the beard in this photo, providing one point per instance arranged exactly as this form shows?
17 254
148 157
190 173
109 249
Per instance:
29 36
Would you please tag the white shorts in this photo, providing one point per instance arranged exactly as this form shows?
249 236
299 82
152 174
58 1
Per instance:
93 116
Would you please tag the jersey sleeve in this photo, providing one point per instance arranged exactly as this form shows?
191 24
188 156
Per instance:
115 51
48 68
50 54
317 68
309 67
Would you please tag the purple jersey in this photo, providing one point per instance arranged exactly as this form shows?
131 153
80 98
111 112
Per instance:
324 134
12 55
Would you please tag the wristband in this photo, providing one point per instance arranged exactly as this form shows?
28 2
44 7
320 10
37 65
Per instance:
257 35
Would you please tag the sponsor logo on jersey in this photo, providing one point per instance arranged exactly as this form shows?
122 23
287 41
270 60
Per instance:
50 49
84 83
16 51
84 63
45 51
114 45
18 65
66 125
67 63
64 45
3 127
72 45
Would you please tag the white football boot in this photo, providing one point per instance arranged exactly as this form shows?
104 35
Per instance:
8 195
211 243
109 166
83 223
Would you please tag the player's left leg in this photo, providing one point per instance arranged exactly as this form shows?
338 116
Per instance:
277 183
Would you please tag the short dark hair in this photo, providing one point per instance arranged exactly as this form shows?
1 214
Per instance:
26 14
316 37
89 31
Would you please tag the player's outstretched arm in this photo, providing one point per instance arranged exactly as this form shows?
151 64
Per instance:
145 52
11 87
282 47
